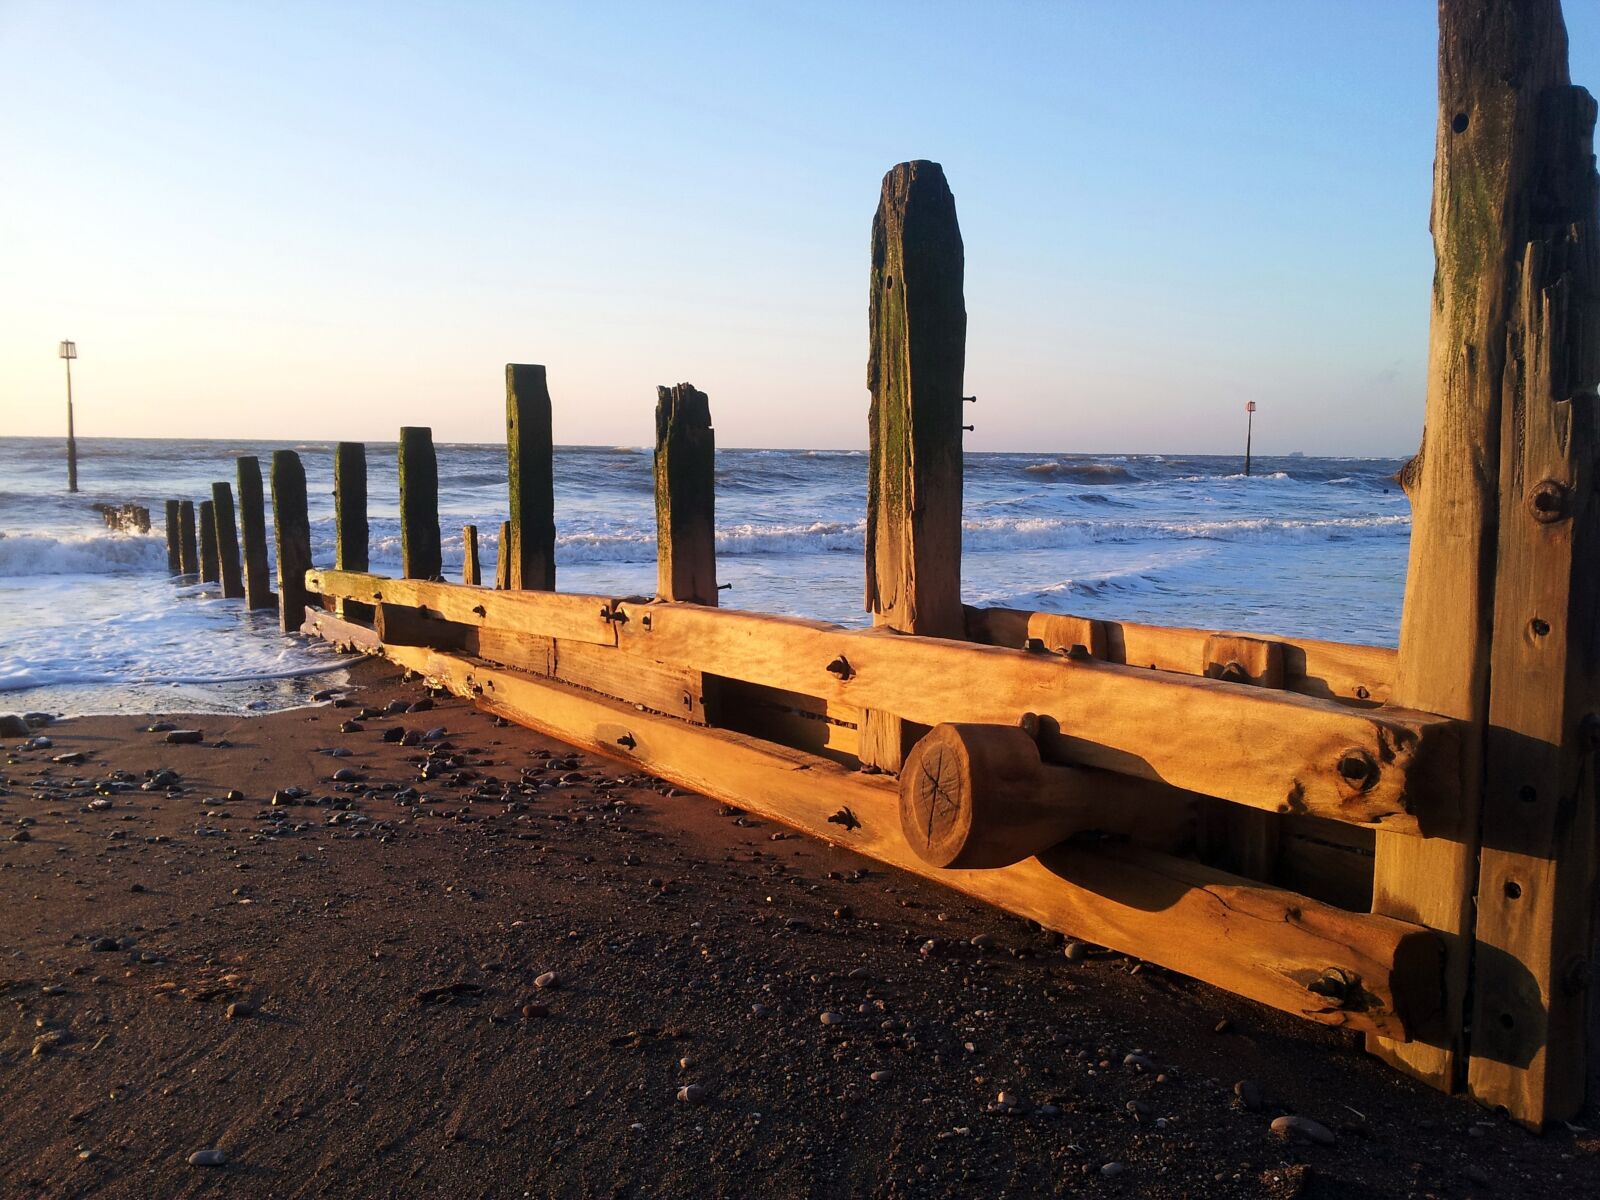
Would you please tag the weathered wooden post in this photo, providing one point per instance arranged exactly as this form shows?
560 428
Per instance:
253 528
291 526
502 558
351 537
229 568
174 540
420 554
918 322
1500 626
685 475
530 477
188 550
470 571
209 572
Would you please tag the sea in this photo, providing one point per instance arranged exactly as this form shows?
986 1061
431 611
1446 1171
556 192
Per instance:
90 621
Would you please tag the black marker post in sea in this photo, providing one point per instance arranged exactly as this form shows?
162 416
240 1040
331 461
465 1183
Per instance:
1249 421
69 351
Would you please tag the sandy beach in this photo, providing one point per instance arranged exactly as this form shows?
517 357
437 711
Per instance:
341 991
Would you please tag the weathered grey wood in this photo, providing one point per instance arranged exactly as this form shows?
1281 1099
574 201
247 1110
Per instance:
253 530
918 329
685 476
530 477
174 540
209 572
1502 64
420 553
292 534
502 558
471 572
350 547
1536 873
188 548
229 567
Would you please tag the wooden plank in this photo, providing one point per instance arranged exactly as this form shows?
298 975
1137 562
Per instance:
471 572
230 568
291 531
400 625
1346 969
675 691
685 479
209 570
548 614
1536 875
917 321
1244 841
807 723
1331 670
345 635
1496 68
530 479
502 558
174 540
253 530
188 548
420 554
1271 750
1325 859
524 651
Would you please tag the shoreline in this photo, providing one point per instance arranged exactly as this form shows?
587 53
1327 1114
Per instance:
389 1036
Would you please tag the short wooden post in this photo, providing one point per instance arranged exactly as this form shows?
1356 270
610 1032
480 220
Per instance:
1498 626
188 549
471 574
253 529
230 569
292 534
420 554
209 572
685 473
1242 840
530 476
174 540
502 558
918 326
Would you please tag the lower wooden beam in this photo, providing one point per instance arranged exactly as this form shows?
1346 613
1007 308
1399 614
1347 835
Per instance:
1290 952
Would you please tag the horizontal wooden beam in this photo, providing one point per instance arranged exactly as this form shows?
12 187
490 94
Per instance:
1288 951
1330 670
1271 750
547 614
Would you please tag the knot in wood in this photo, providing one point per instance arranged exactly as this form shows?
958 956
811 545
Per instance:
1234 671
841 667
1548 501
1358 769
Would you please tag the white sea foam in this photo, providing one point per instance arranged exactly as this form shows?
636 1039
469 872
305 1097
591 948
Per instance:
79 554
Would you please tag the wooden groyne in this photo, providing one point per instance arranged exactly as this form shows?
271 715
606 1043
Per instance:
1396 842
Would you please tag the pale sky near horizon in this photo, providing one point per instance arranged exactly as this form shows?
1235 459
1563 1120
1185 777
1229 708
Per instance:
328 220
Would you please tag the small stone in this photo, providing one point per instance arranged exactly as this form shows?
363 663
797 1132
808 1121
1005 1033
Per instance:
832 1018
1077 952
884 1077
394 733
411 738
22 835
691 1093
532 1010
1222 1026
547 980
1139 1062
103 944
70 759
184 737
38 743
346 775
99 805
983 941
238 1010
422 705
1304 1128
351 727
1112 1169
436 734
208 1158
12 725
160 727
1248 1095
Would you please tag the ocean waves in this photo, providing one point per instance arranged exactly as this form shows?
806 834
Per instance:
24 554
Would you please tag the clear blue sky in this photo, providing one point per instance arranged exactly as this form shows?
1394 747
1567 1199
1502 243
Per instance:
320 220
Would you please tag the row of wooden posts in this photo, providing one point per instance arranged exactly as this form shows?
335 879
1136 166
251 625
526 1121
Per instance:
234 555
1466 760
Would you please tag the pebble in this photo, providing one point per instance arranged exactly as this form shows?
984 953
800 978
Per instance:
208 1158
1139 1062
1304 1128
691 1093
22 835
238 1010
422 705
547 980
436 734
983 941
38 743
531 1010
12 725
351 727
346 775
1248 1094
885 1076
1077 952
394 733
1112 1169
395 707
832 1018
184 737
105 943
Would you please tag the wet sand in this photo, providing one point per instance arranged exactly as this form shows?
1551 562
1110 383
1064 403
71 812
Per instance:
342 993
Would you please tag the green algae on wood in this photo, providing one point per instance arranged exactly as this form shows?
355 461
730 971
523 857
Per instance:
253 531
292 534
230 569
